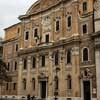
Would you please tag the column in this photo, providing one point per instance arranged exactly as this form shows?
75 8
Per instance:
28 84
20 76
97 57
75 72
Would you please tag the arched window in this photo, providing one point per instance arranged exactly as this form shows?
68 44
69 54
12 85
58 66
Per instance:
85 54
68 56
33 83
69 82
24 84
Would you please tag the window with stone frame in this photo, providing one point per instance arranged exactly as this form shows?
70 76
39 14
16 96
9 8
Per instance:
84 6
24 84
33 83
43 61
69 82
26 35
35 32
7 86
85 54
24 63
69 21
57 25
68 56
56 58
47 38
15 65
84 28
18 30
8 66
16 47
33 62
14 86
56 83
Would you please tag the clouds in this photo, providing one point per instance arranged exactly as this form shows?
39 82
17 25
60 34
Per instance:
10 10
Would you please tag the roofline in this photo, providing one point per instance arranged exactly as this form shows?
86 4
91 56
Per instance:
12 26
35 13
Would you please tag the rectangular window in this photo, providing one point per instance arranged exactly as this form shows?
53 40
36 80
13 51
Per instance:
56 58
14 86
84 6
8 66
7 86
69 21
15 65
43 61
33 62
84 28
47 38
33 82
27 35
57 25
25 64
16 47
36 32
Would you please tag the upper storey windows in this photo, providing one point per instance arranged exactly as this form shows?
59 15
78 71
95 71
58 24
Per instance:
57 24
69 21
26 35
84 6
35 32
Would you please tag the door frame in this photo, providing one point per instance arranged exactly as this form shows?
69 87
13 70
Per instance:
46 88
82 88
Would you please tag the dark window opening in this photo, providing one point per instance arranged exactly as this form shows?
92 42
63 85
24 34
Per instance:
36 32
15 65
33 62
56 83
69 21
16 47
84 28
33 83
68 57
85 54
24 84
25 63
18 30
84 6
57 25
47 38
43 61
14 86
56 58
8 66
7 86
27 35
69 82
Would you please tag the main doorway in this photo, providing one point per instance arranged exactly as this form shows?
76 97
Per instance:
86 90
43 89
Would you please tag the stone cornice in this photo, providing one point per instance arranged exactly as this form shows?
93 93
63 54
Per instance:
71 40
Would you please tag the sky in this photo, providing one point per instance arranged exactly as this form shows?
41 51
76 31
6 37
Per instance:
10 10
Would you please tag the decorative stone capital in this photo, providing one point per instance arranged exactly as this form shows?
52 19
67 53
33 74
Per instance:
75 51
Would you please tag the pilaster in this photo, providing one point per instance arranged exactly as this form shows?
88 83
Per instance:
28 75
20 76
75 71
